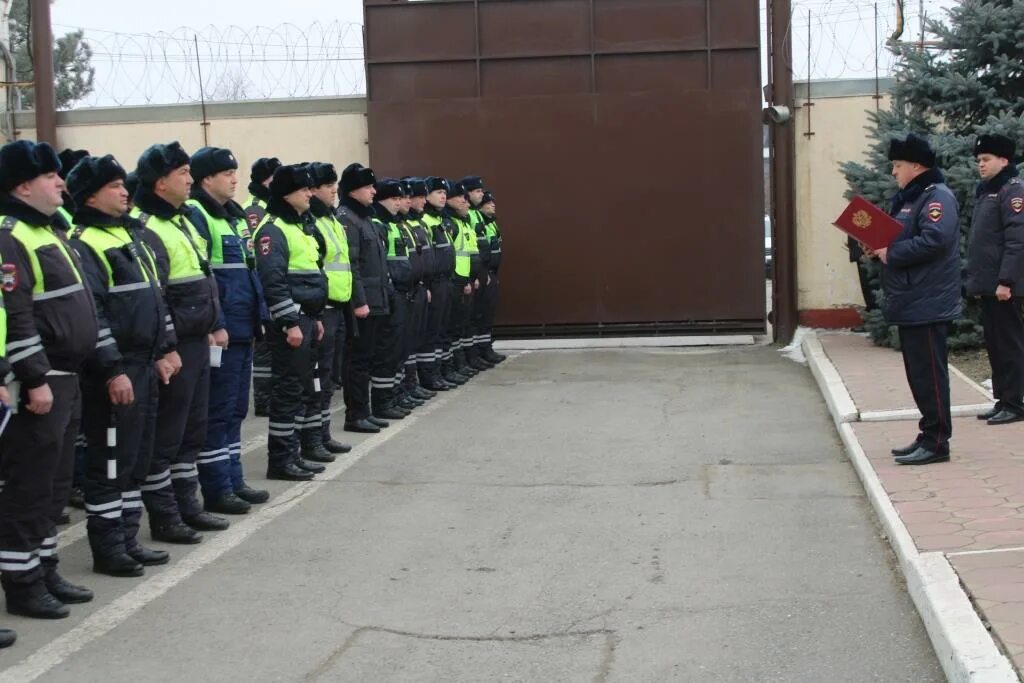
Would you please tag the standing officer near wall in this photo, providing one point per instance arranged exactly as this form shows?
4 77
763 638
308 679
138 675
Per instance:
921 279
995 272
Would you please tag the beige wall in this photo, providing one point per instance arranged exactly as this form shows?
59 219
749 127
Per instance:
825 276
332 130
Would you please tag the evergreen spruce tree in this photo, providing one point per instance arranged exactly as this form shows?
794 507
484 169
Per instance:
973 85
72 58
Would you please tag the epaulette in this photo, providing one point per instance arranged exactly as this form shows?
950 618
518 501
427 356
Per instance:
8 223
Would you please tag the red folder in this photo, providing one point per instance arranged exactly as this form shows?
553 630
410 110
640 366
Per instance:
866 223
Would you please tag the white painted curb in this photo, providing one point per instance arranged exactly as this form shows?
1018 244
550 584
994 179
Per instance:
914 414
964 647
837 398
974 385
554 343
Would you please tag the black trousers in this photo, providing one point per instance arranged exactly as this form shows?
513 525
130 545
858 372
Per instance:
433 329
458 320
387 352
927 365
37 458
292 389
113 504
870 301
490 295
262 376
357 363
170 490
314 424
415 333
1004 339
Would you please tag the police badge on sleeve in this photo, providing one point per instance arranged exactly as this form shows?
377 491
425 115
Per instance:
8 277
265 245
1017 204
935 212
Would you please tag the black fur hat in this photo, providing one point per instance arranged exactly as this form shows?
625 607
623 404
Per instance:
264 168
91 174
288 179
389 188
131 183
488 198
997 145
356 176
417 186
472 182
210 161
23 160
433 184
456 188
914 149
159 160
68 159
323 174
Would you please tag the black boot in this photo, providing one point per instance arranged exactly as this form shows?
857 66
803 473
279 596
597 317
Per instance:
121 564
309 466
493 357
378 422
204 521
334 446
318 454
288 472
422 393
175 532
35 603
62 589
364 426
77 498
228 504
389 413
148 557
251 495
7 637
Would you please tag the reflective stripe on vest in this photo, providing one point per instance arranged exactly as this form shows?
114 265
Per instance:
336 263
36 238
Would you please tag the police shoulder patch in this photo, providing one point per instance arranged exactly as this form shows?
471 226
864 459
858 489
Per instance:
8 277
935 211
1017 204
265 245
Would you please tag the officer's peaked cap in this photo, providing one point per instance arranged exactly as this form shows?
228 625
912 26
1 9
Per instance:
998 145
210 161
92 174
159 161
914 149
356 176
23 160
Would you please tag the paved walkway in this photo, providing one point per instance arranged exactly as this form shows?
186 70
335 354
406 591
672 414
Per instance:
972 508
629 515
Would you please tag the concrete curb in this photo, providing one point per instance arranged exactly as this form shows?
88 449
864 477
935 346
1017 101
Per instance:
838 399
913 414
974 385
962 644
549 344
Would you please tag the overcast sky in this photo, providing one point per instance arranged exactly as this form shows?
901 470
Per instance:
134 69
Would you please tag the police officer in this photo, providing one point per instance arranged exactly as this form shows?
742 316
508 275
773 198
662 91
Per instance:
255 207
423 266
317 443
289 264
7 635
474 345
387 354
170 491
995 272
222 224
371 293
433 352
404 396
68 159
119 384
467 265
921 279
42 280
488 210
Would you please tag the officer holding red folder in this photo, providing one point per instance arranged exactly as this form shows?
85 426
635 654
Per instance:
921 281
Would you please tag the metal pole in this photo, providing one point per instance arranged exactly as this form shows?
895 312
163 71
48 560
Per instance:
921 10
784 292
42 65
202 97
878 93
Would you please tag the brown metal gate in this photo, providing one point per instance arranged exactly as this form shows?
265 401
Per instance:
622 139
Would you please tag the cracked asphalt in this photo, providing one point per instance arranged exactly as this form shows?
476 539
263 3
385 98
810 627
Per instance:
625 515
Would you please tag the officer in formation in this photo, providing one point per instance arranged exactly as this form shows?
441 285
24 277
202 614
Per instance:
995 272
157 285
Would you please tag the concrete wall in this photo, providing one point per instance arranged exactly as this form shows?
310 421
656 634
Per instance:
828 285
317 129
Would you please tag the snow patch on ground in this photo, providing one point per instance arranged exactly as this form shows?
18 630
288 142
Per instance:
794 351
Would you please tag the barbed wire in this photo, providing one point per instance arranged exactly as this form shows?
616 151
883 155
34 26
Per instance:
235 63
849 38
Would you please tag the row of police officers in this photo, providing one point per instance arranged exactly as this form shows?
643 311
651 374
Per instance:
137 308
